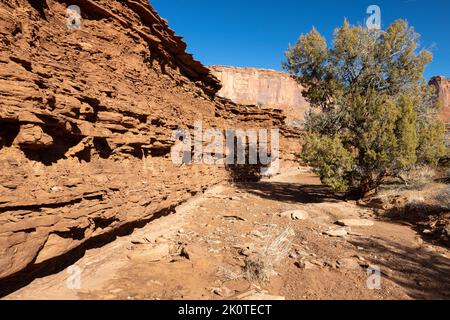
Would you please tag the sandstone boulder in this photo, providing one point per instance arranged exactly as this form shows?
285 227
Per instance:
33 137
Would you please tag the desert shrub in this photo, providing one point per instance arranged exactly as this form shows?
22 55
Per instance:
372 113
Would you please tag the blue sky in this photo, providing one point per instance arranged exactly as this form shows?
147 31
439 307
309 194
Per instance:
250 33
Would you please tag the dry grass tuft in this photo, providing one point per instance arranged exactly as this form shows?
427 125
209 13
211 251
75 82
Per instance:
443 198
419 177
259 267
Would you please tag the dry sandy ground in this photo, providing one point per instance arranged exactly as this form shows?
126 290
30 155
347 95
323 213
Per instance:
201 252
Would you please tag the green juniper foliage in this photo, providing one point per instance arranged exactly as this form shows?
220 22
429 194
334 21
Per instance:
372 113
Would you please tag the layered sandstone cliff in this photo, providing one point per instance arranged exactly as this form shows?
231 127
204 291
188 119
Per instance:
275 89
443 88
265 88
86 119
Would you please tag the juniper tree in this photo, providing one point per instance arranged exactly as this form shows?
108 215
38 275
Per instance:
372 113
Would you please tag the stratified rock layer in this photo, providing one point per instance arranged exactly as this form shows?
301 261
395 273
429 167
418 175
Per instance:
443 88
86 121
264 88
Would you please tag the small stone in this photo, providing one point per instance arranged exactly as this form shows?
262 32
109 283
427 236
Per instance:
355 223
223 292
55 189
301 253
257 234
134 198
293 256
429 249
340 232
305 265
185 253
139 241
294 214
347 263
357 234
161 240
330 264
317 263
70 183
299 215
10 185
153 254
235 218
245 250
427 231
153 282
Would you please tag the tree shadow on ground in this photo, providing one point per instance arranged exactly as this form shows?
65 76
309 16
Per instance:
423 274
291 192
421 217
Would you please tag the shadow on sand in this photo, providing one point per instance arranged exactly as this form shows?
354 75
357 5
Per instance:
291 192
424 275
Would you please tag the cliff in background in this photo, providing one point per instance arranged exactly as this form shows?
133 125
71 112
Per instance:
85 127
275 89
443 88
265 88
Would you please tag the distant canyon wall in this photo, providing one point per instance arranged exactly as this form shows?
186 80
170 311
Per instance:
443 88
264 88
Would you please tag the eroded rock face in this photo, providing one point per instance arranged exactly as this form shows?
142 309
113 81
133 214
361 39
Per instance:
264 88
86 123
443 88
